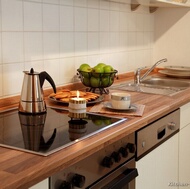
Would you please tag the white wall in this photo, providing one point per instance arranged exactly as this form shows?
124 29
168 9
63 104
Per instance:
172 35
59 35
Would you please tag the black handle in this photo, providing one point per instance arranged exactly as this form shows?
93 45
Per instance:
44 75
161 133
120 181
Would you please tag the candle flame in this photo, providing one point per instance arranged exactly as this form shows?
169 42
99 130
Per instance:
78 94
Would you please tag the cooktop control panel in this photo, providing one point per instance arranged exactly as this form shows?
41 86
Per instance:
95 166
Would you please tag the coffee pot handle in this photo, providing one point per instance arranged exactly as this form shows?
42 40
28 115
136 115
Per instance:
44 75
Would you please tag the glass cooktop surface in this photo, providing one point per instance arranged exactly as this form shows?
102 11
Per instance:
44 134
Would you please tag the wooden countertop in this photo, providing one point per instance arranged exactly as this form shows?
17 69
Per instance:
23 170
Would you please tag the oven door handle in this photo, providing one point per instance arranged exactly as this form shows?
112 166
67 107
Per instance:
126 177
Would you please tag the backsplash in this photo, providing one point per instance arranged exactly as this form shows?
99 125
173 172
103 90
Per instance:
59 35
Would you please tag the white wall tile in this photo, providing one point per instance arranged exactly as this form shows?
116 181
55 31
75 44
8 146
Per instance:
59 35
12 15
140 40
51 1
131 41
104 42
66 44
148 40
93 43
114 41
33 49
10 72
94 60
114 21
114 6
52 67
80 3
50 17
66 18
32 16
125 7
93 3
81 43
67 2
12 47
123 24
122 63
147 57
105 58
123 41
80 60
104 20
93 20
66 75
140 59
140 22
38 66
114 60
37 1
131 63
131 22
80 19
51 45
148 22
104 4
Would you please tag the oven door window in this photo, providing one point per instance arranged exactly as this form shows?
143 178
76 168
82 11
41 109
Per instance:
122 178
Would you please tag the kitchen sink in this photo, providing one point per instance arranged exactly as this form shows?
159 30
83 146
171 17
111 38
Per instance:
155 85
164 82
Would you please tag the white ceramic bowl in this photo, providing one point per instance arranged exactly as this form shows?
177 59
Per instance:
120 100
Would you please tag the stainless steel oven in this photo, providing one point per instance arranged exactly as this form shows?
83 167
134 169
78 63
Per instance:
110 168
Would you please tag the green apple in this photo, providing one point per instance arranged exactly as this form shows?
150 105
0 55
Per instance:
108 69
84 65
101 64
94 81
105 81
86 71
86 81
97 71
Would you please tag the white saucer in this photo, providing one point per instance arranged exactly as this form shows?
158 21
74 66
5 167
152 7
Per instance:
109 106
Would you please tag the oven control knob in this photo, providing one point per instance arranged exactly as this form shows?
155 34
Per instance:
78 180
116 156
107 162
131 147
65 185
123 152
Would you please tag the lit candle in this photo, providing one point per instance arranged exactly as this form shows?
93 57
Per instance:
77 106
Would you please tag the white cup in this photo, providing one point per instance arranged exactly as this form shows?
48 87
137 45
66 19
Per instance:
120 100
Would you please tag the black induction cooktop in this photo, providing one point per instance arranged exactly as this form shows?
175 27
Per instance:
46 133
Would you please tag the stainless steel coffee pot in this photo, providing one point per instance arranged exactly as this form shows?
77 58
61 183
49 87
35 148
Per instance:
32 99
